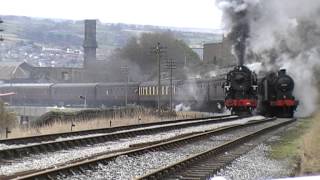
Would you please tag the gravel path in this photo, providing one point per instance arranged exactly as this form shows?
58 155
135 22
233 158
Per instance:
47 160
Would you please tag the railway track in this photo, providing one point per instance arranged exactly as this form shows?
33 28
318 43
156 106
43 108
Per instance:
82 166
53 137
204 165
51 146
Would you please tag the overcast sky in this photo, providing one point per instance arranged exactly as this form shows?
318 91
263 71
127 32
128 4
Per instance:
177 13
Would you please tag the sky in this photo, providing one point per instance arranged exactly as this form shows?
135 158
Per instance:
175 13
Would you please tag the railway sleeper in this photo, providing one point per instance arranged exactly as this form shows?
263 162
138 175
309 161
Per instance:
35 150
43 148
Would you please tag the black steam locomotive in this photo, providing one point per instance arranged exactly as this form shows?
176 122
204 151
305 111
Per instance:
241 88
240 93
275 95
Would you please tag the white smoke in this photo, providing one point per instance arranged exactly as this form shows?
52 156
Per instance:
255 67
301 70
182 107
284 34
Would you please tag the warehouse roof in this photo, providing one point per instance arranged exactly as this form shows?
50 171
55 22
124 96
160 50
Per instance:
14 70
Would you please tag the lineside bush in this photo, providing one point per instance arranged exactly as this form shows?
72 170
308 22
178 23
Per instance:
7 119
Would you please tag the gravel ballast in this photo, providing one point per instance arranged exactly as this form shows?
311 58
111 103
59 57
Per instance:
47 160
130 167
256 165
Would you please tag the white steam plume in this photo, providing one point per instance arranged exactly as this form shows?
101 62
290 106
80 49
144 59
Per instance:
284 34
182 107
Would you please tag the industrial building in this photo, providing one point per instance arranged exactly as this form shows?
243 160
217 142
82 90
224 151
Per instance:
219 53
92 70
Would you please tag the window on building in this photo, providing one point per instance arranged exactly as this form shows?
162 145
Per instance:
65 76
215 60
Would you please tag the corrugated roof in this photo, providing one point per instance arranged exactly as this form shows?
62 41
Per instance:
12 70
26 85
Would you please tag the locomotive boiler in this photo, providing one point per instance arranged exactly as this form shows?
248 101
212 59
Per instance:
241 91
276 95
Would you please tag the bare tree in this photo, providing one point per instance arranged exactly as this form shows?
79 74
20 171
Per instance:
138 51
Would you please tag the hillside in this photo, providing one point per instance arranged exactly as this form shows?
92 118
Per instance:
42 41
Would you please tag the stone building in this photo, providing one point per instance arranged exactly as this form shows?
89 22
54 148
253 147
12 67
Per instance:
219 53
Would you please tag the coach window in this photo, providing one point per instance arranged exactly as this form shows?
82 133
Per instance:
107 92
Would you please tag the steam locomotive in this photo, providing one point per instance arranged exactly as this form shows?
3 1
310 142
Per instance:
276 95
239 92
241 89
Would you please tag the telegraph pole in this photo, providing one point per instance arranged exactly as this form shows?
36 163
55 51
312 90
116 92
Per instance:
158 50
170 66
125 71
1 38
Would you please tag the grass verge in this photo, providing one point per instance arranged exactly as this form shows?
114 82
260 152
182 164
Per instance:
300 145
60 126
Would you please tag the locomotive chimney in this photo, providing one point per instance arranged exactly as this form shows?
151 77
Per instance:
282 72
90 43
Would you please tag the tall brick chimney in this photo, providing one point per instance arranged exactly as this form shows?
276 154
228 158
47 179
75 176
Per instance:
89 43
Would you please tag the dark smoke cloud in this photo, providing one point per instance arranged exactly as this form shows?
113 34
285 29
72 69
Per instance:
236 15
